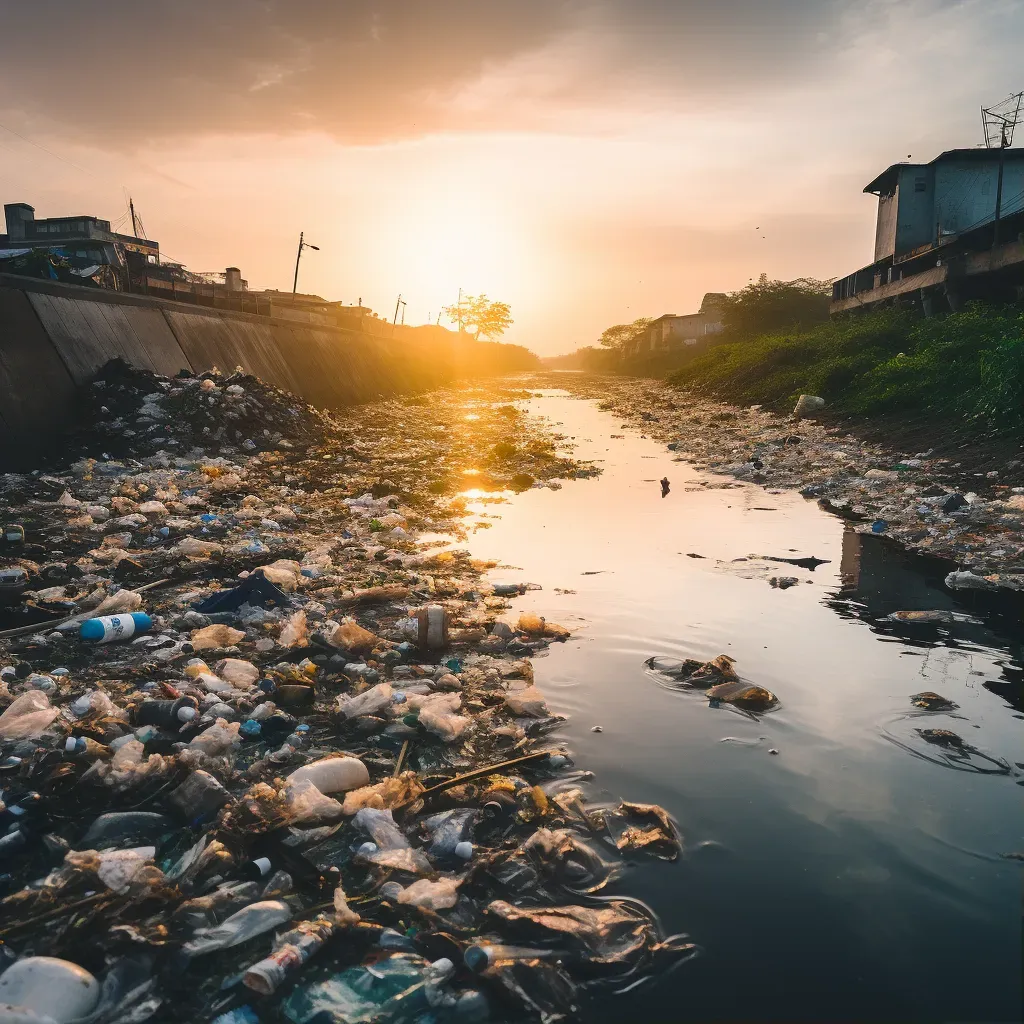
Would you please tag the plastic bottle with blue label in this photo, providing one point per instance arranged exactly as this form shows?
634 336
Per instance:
108 628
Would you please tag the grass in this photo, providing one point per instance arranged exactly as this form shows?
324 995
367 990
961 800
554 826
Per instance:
967 367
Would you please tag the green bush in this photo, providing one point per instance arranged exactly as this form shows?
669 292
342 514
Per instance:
967 366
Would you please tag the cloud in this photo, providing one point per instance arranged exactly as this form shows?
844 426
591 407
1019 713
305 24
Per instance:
368 70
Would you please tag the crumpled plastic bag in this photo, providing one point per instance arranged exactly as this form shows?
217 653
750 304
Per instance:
615 933
216 636
193 547
119 868
121 603
128 766
567 859
28 717
646 827
392 792
436 714
284 573
342 911
237 672
528 701
307 804
217 739
369 702
294 632
351 637
393 850
427 895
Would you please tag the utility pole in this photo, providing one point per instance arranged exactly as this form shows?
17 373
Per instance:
1003 143
398 302
135 227
303 244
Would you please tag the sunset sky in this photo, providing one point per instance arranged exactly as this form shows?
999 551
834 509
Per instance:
587 161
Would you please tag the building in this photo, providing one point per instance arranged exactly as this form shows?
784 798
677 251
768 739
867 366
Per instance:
669 333
946 231
81 239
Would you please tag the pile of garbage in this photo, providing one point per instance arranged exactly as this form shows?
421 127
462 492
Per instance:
265 754
925 502
126 411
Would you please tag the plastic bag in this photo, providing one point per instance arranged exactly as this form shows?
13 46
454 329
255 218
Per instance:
219 738
393 792
427 895
193 547
249 922
352 638
527 701
615 933
216 636
28 717
375 699
284 573
382 828
118 868
294 633
307 804
237 672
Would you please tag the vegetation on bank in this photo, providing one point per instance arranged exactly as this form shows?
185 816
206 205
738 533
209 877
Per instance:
967 368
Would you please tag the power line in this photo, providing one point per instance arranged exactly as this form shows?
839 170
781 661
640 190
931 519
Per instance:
56 156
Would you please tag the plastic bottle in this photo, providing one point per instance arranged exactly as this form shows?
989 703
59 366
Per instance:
296 947
108 628
255 870
167 714
84 746
480 957
333 775
433 626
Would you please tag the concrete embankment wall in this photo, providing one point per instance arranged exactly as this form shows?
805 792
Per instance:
54 337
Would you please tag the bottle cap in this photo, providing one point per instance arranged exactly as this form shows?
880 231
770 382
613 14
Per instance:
476 958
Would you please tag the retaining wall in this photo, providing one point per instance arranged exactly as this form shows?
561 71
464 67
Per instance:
54 337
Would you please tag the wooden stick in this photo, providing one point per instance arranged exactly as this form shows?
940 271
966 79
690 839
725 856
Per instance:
490 769
401 758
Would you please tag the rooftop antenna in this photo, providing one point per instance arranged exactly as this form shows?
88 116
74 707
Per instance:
999 121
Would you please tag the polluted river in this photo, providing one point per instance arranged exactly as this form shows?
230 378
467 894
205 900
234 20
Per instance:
487 704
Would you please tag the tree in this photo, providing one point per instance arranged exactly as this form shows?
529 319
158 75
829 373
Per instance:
488 318
771 306
621 335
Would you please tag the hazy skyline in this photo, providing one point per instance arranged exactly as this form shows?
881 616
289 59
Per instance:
587 162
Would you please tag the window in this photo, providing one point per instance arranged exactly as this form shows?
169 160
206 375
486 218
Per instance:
920 185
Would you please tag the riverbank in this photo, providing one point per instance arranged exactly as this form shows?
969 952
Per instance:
936 501
960 372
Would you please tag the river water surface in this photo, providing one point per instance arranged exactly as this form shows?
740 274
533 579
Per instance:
836 865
